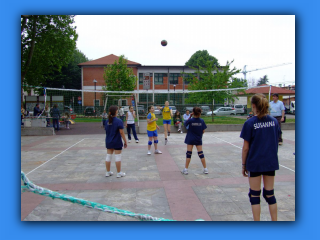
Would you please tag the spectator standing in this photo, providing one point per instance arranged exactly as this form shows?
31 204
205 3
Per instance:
104 118
186 116
55 114
36 110
277 111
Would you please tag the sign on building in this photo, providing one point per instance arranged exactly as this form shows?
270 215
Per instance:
146 81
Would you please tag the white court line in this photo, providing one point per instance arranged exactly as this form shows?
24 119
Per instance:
241 148
54 156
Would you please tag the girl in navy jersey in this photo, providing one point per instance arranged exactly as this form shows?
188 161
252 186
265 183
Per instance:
194 137
114 133
260 155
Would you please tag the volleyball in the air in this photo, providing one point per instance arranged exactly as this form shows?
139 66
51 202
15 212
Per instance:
164 43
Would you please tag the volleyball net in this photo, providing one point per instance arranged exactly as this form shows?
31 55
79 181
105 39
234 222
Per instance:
31 187
94 102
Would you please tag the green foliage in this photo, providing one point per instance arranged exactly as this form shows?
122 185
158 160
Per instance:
201 58
47 44
263 80
70 75
119 77
214 77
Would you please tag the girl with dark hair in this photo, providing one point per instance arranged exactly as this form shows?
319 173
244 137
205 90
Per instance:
114 132
260 155
194 137
130 116
177 121
152 130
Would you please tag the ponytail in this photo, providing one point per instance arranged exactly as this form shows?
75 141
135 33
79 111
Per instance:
112 113
261 103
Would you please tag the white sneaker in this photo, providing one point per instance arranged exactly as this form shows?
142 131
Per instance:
149 153
120 174
181 131
184 171
205 171
137 141
165 142
108 174
157 152
129 141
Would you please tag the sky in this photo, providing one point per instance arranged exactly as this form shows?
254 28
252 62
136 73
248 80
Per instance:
257 41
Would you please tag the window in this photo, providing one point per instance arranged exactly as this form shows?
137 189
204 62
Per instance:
174 78
189 76
97 102
158 78
140 78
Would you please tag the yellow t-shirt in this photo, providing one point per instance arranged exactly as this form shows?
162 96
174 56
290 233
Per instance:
166 113
153 125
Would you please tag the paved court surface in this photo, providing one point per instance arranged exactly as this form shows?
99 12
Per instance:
75 165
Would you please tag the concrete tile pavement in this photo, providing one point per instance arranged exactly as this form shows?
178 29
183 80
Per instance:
154 184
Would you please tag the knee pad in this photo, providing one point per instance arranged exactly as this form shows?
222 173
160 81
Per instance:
150 143
254 200
108 158
269 200
117 157
155 141
188 154
201 155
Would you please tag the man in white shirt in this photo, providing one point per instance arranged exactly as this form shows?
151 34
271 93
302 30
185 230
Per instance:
277 111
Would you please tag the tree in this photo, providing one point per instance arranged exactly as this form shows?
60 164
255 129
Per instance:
118 77
201 58
263 80
213 77
47 44
70 75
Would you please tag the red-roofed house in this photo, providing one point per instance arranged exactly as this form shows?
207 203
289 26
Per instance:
265 89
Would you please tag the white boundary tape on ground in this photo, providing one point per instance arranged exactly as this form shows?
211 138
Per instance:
55 156
241 148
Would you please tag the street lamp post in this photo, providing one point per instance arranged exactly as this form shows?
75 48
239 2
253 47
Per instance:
95 95
174 95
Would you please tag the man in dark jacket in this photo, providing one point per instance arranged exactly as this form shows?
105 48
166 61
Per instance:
55 114
36 110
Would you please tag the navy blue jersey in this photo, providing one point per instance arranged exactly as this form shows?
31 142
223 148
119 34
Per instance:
195 131
113 137
262 135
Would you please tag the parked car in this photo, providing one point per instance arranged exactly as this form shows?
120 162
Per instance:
187 108
89 111
141 110
157 111
239 109
205 109
68 109
222 111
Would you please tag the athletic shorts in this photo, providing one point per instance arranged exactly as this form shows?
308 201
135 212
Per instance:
152 133
167 122
257 174
115 148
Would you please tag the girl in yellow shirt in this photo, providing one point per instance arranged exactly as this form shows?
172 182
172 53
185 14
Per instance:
152 130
